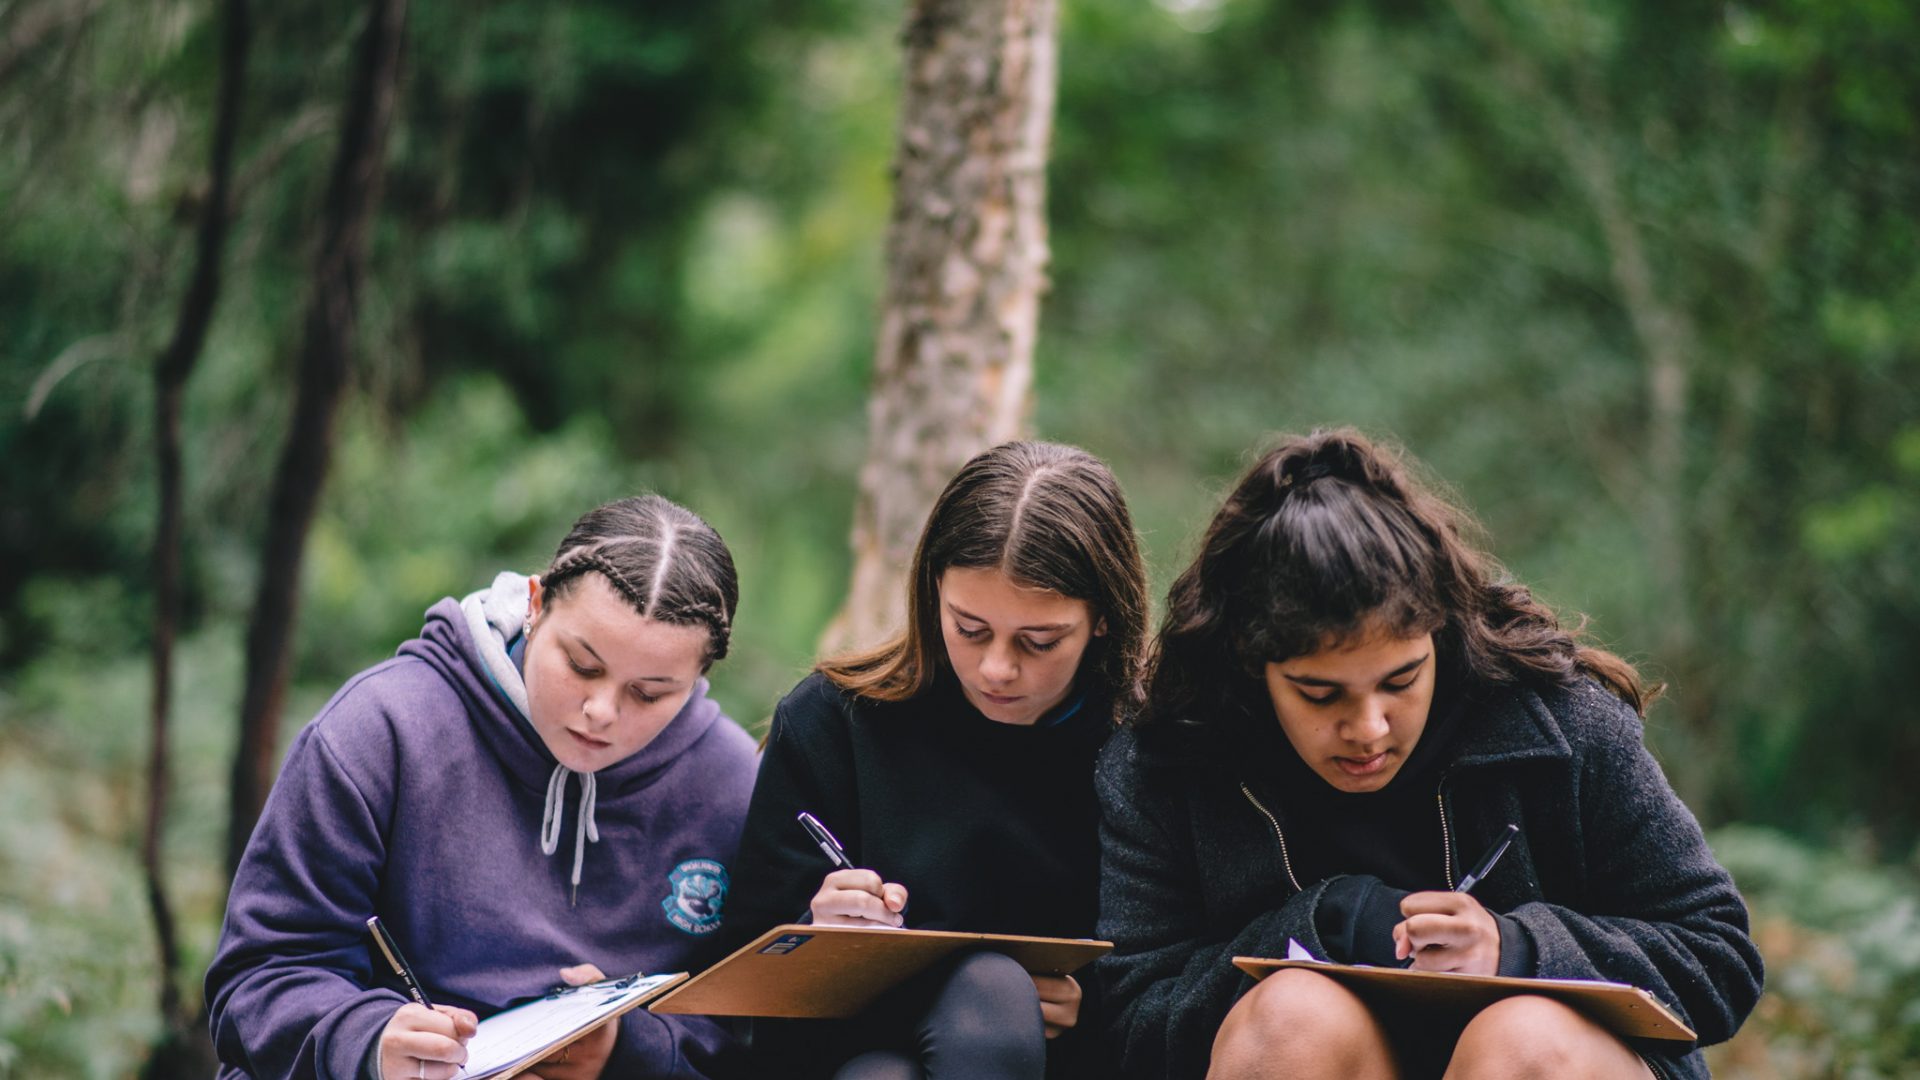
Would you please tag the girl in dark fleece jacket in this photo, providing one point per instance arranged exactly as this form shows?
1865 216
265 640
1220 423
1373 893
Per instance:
956 765
1347 702
536 788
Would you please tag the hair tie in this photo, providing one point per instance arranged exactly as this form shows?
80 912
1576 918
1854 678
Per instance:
1306 474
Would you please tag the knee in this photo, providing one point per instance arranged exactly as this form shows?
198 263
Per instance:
992 979
988 1010
1299 1023
1528 1036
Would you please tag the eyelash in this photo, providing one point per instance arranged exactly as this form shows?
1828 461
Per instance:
1388 687
1029 645
588 673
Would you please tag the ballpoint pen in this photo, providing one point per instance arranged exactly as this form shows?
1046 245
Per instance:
400 967
828 844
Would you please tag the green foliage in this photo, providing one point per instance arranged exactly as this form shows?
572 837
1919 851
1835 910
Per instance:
639 246
1841 937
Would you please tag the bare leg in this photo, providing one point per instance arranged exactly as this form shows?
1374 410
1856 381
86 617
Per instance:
1302 1026
1532 1037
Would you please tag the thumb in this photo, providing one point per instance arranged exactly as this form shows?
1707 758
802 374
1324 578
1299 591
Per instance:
581 974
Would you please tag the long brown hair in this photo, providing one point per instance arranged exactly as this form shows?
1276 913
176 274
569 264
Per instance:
1327 536
1049 517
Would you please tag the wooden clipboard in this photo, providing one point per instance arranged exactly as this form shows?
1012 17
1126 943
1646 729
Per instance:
533 1038
1627 1011
825 972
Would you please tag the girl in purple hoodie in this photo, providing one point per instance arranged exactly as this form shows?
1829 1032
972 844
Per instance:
535 789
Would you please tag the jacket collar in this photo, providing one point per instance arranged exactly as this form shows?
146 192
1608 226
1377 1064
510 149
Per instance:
1508 724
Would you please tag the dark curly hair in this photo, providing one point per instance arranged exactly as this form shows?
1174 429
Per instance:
1329 536
1049 516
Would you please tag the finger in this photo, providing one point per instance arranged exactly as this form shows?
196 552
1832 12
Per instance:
433 1048
1437 903
1052 987
865 881
581 974
416 1017
1429 931
1055 1014
850 904
894 895
1054 1030
465 1023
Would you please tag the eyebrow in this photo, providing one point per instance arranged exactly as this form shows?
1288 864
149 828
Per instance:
1308 680
582 642
1041 627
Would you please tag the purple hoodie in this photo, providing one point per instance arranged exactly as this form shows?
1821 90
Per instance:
418 794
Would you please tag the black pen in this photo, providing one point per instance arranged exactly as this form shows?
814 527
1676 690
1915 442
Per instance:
1482 868
1485 866
392 950
825 839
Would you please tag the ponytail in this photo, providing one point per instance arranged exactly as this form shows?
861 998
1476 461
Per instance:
1330 536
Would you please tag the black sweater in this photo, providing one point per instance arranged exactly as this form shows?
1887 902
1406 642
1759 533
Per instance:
991 827
1609 878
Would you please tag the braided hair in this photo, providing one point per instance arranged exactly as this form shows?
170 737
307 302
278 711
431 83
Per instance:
1329 536
663 558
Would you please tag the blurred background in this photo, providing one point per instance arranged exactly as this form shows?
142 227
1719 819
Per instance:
1641 280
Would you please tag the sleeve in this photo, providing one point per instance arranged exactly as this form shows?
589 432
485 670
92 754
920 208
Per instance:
288 992
1170 980
672 1048
1667 917
807 765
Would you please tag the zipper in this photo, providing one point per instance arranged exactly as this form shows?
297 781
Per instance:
1446 830
1286 861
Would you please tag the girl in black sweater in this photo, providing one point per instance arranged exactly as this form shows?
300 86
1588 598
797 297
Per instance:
1346 703
955 764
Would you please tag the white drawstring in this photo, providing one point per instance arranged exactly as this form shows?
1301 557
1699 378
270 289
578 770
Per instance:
556 804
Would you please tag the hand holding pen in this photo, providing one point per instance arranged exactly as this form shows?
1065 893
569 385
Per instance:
850 896
1451 931
422 1039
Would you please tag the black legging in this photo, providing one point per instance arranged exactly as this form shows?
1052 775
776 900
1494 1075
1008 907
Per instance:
976 1017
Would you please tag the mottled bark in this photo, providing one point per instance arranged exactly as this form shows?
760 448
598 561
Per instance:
171 372
353 193
966 268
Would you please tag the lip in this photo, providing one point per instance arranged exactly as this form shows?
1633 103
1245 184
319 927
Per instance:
1001 699
589 741
1367 766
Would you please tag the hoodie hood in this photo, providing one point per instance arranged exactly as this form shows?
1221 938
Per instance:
471 643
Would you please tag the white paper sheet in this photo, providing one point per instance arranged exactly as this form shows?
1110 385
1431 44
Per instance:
506 1038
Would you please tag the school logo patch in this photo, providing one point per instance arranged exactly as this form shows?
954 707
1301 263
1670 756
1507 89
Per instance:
698 889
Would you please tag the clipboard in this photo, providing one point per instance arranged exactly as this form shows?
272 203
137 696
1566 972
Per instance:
834 972
510 1040
1627 1011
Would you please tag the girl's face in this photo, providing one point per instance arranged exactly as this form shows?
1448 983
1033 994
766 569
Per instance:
603 681
1015 649
1354 713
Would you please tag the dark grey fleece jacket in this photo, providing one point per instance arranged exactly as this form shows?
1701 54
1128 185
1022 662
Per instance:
1609 877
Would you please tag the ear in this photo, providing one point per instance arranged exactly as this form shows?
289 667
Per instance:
536 594
1100 628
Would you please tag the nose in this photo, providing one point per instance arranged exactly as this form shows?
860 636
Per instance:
998 665
1369 724
599 711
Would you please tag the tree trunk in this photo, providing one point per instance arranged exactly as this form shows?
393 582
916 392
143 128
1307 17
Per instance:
966 267
171 372
353 192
